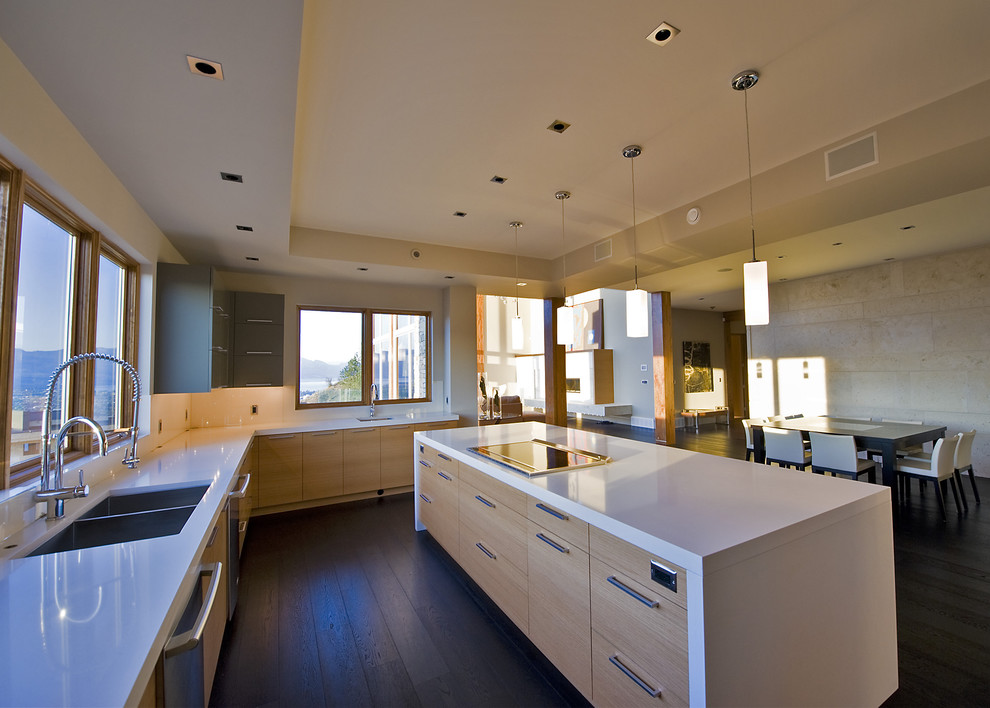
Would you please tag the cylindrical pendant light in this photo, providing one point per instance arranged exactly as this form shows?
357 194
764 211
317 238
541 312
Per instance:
516 330
637 309
565 315
756 287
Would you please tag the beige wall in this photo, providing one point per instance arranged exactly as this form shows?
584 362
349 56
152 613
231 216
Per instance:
907 340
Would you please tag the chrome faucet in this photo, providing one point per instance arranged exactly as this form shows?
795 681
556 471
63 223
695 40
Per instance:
51 489
374 397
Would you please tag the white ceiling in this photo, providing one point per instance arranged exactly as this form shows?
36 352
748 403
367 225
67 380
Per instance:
381 119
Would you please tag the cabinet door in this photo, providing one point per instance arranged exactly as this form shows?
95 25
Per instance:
362 460
323 464
398 465
216 550
280 463
260 370
266 308
560 604
257 339
183 328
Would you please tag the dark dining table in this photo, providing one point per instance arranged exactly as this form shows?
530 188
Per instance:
888 437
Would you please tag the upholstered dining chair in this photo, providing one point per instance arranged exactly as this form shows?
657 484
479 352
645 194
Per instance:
939 468
962 461
747 424
837 454
786 448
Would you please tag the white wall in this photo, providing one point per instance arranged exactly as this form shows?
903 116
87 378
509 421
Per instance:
907 340
629 355
699 326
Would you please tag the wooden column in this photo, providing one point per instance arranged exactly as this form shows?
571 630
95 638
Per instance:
553 365
663 369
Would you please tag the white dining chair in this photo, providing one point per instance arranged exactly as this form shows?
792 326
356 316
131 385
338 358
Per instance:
962 461
837 454
786 448
939 468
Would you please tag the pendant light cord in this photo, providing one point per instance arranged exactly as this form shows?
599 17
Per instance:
563 237
632 171
749 163
515 226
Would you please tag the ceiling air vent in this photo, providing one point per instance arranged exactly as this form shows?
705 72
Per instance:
603 250
852 156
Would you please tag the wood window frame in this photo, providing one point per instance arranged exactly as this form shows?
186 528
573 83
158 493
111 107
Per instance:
367 354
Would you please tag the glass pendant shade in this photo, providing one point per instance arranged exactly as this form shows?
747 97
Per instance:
756 293
516 333
565 325
637 313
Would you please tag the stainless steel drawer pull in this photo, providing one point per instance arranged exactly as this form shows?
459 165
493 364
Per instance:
363 430
446 477
486 551
443 457
267 383
241 492
553 544
323 433
655 692
484 501
425 463
553 512
399 427
191 638
257 352
425 498
260 321
281 437
626 589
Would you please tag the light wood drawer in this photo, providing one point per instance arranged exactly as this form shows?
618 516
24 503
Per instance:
492 488
495 524
504 583
637 564
436 459
560 604
557 522
647 628
622 683
437 483
440 520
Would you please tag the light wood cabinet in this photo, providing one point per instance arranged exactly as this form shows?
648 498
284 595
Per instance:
280 463
560 604
215 551
438 497
397 462
322 464
362 460
249 501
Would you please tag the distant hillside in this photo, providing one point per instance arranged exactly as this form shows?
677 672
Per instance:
311 369
35 368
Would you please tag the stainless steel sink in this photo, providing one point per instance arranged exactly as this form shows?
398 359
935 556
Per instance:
377 417
133 502
119 528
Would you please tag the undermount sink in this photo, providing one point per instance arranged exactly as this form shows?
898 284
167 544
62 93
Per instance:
127 517
377 417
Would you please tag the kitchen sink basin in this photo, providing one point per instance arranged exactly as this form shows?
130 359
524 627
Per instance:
118 528
133 502
377 417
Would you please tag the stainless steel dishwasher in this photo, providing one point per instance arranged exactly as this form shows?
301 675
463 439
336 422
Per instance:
233 544
183 684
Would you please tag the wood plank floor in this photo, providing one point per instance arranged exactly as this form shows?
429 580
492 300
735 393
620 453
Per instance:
349 606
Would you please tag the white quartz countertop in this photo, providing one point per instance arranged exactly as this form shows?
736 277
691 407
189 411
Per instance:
382 419
700 511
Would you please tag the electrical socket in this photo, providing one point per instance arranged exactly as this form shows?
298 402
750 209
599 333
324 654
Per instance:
254 409
159 425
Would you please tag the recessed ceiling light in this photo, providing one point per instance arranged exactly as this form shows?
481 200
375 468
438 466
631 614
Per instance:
251 258
449 277
907 228
499 180
663 34
205 67
241 227
231 177
460 213
890 259
558 126
693 215
724 270
781 256
521 284
362 268
837 243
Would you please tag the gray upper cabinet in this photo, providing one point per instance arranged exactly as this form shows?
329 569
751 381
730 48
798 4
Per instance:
258 339
221 339
183 328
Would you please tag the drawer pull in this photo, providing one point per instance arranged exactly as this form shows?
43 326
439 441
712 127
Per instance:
260 321
362 430
628 590
617 662
241 526
486 551
266 353
321 434
267 383
425 463
553 512
399 427
213 536
425 498
280 437
552 543
443 457
446 477
484 501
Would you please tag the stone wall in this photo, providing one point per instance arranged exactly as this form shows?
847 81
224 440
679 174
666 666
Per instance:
906 340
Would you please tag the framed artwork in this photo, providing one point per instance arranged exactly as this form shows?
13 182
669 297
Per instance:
697 367
589 327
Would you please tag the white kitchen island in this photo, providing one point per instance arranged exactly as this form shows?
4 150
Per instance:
787 578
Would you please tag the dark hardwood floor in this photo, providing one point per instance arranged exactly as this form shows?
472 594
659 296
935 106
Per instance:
348 606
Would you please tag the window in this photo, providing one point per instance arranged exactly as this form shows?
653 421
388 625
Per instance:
64 292
334 345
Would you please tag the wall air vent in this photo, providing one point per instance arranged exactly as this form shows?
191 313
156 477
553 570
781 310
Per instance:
603 250
852 156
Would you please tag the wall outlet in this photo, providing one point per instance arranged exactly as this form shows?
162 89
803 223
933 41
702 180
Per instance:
644 382
642 367
159 425
254 410
187 415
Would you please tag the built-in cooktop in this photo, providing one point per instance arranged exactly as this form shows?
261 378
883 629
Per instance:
533 457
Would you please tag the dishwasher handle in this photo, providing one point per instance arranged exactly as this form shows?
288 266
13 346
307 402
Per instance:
242 491
191 638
